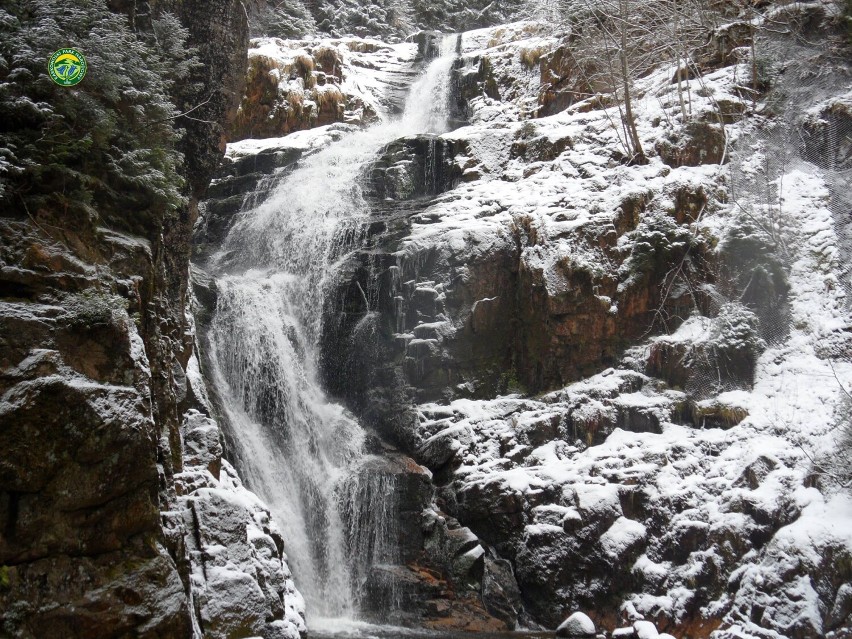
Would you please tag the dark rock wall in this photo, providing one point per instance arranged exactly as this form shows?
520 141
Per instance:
94 345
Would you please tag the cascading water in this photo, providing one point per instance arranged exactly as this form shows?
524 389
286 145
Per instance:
300 452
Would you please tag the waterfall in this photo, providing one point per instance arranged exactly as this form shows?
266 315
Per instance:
303 454
428 103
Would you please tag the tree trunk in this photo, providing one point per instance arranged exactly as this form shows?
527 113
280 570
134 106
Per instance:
638 153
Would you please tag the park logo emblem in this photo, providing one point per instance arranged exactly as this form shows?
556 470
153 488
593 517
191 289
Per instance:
67 67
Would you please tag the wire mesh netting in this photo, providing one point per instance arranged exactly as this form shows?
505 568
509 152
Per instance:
804 124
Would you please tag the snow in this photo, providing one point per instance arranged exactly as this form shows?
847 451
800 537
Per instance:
621 536
691 474
307 141
694 480
577 625
645 630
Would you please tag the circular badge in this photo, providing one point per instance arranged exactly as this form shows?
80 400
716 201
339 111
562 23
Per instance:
67 67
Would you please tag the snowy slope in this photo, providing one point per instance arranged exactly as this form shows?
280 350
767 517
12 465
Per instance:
697 523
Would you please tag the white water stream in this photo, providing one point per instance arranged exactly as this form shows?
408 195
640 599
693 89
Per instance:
299 451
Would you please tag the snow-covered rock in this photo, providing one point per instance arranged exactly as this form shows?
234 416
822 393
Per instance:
238 570
577 625
293 85
645 630
669 472
675 475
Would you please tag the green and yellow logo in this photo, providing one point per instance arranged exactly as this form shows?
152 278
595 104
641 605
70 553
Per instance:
67 67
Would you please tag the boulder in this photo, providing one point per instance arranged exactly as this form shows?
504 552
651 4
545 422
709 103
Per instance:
454 550
241 580
841 610
201 445
577 626
439 449
428 43
468 567
412 167
754 474
722 44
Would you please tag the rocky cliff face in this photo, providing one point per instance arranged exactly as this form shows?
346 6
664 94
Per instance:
599 362
512 303
444 577
594 357
544 260
113 495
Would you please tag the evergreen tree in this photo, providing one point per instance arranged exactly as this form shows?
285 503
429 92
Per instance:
104 148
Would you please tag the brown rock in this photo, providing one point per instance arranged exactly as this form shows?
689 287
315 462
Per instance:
273 108
697 143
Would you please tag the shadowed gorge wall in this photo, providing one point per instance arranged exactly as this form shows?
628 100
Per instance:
95 337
